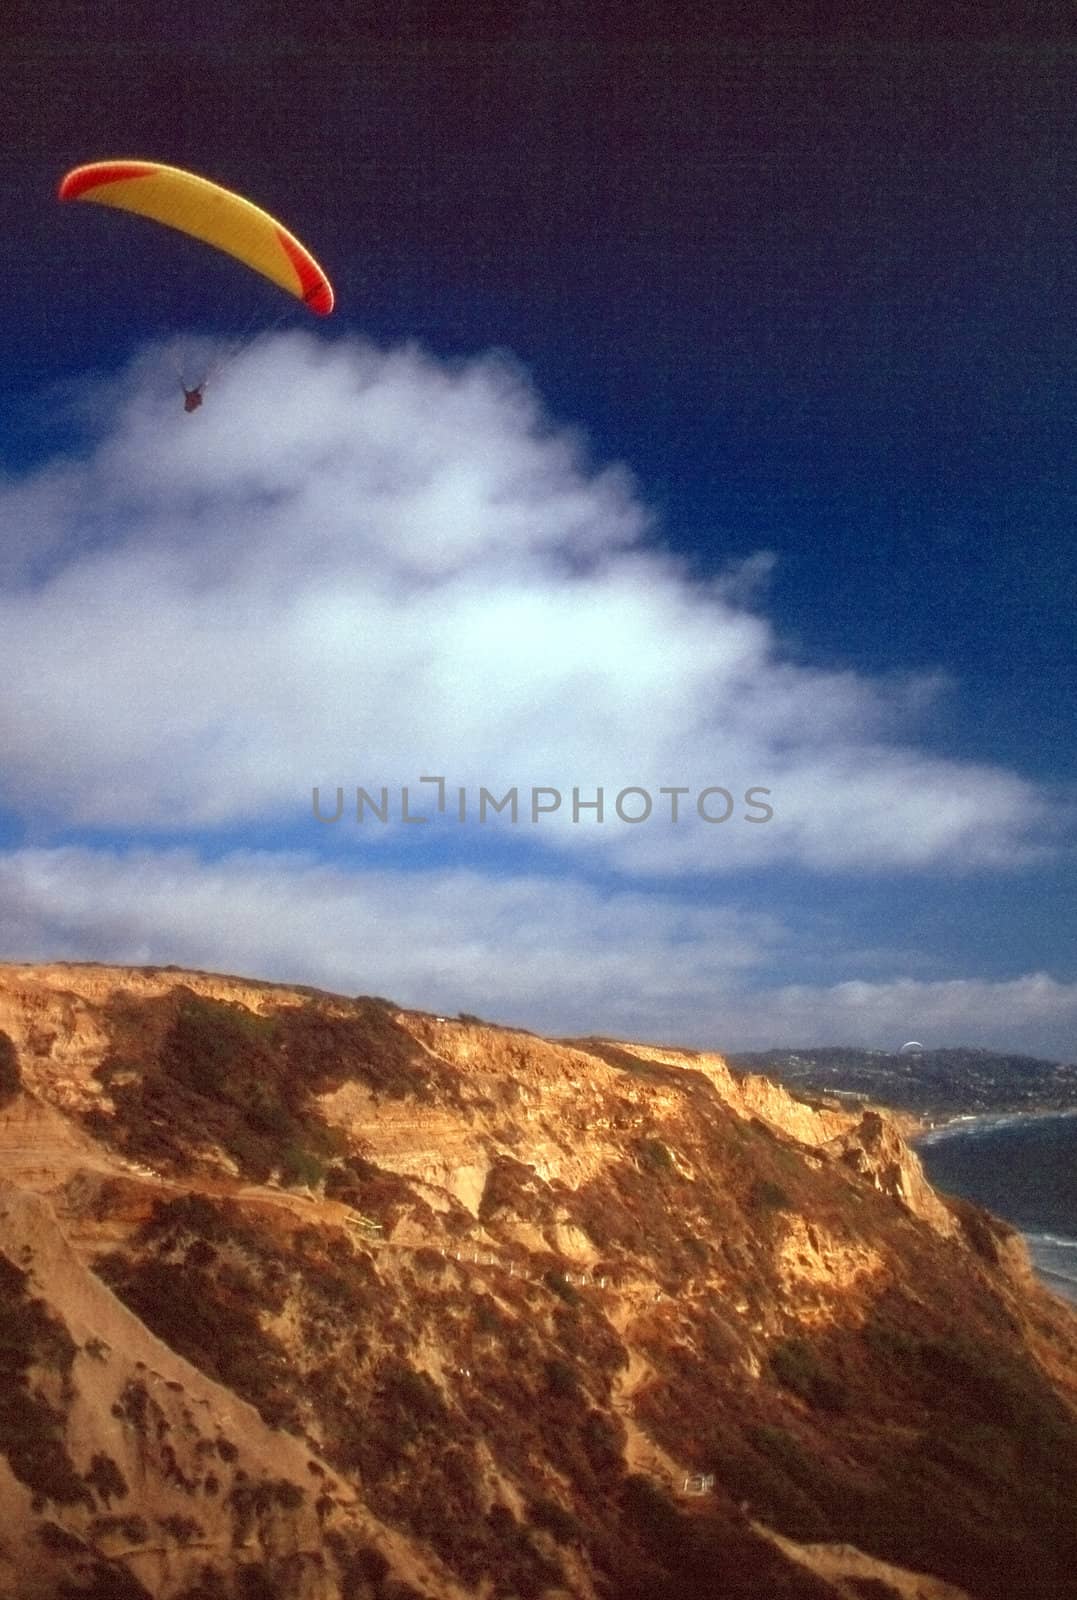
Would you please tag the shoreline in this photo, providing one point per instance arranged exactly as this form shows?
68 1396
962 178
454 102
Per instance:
1052 1252
1043 1252
970 1122
916 1126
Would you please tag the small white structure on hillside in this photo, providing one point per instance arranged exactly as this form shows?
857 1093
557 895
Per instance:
699 1483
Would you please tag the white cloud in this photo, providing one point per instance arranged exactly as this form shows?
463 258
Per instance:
529 947
357 566
1034 1012
558 956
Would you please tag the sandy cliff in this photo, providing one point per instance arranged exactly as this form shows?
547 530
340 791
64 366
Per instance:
319 1295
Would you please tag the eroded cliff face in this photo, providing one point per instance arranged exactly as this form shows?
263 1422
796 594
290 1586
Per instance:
875 1149
55 1016
309 1296
140 1459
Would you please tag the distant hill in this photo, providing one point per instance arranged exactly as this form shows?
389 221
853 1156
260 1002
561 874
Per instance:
931 1083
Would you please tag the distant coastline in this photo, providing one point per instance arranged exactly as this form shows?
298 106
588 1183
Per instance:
922 1090
933 1129
996 1128
1020 1166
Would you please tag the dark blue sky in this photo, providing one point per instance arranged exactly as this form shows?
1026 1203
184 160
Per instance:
817 288
818 291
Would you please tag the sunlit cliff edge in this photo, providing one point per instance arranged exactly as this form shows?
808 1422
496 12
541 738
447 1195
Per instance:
304 1295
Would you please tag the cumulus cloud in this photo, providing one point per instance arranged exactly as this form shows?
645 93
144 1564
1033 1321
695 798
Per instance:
543 951
360 566
1033 1012
555 955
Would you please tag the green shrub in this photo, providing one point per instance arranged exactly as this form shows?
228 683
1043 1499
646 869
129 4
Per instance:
780 1446
182 1529
212 1321
652 1515
554 1519
299 1166
766 1195
29 1334
134 1529
10 1076
796 1366
209 1587
412 1392
106 1582
106 1478
991 1388
31 1430
57 1539
488 1317
766 1476
561 1287
31 1436
208 1040
561 1380
892 1344
654 1156
603 1441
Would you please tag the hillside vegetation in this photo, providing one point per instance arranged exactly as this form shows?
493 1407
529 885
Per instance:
304 1296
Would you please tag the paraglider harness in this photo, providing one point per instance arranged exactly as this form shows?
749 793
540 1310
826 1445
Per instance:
250 335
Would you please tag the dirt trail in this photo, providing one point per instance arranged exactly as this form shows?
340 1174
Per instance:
642 1454
844 1566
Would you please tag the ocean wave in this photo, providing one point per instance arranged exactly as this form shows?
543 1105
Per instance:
990 1123
1054 1258
1066 1287
1057 1241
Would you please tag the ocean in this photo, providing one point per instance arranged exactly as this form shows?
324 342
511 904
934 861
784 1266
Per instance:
1023 1168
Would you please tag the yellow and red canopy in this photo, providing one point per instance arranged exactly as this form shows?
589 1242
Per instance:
203 209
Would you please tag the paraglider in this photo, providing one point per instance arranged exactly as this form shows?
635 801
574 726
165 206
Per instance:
206 211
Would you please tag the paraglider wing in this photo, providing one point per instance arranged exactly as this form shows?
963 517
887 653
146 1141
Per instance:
203 209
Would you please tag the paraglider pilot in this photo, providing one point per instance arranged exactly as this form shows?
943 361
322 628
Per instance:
192 398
